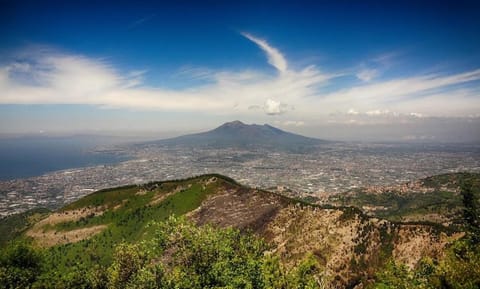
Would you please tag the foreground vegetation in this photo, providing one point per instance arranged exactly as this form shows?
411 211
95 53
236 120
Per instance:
460 269
180 255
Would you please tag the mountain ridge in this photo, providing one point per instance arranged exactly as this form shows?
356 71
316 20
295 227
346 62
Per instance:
350 245
237 134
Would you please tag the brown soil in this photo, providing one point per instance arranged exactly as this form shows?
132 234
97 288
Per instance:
46 236
52 238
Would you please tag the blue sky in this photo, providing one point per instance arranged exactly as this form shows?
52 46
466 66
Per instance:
313 67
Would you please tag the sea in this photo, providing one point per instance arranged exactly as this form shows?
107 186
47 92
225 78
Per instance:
24 157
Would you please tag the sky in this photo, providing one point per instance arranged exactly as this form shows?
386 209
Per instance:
367 71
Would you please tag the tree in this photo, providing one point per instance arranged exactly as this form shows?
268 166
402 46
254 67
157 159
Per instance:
20 266
274 276
396 276
128 260
97 277
461 267
208 257
471 211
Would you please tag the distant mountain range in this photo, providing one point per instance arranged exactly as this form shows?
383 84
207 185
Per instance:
238 134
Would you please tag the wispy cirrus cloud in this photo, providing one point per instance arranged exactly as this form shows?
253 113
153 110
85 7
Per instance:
275 58
51 77
432 94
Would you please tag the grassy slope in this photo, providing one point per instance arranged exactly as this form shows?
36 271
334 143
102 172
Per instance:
127 214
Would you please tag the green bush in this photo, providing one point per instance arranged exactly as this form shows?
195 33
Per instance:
20 266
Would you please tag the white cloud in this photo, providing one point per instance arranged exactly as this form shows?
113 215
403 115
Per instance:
378 112
416 114
352 111
50 77
273 107
405 87
367 74
275 58
434 95
382 113
57 78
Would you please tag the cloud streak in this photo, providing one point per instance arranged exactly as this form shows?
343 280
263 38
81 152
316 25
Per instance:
275 58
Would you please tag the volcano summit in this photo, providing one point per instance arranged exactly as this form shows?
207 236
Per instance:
237 134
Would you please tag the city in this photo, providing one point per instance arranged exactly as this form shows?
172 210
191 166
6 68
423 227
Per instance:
332 168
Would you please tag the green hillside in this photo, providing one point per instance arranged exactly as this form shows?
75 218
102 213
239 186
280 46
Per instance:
211 232
125 212
129 219
13 226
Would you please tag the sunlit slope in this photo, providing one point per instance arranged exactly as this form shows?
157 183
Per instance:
88 229
349 244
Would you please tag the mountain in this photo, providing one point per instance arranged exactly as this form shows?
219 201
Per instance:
238 134
349 245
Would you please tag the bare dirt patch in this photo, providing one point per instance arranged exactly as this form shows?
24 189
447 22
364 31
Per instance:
159 197
141 193
52 238
46 236
69 216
